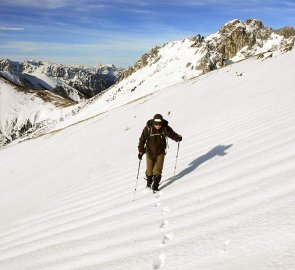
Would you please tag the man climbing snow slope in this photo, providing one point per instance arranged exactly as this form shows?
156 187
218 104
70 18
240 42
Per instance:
153 142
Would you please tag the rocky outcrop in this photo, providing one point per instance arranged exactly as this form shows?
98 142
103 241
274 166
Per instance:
236 40
286 32
152 56
241 40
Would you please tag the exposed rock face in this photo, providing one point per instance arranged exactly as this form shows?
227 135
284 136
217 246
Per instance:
242 40
236 39
286 31
142 62
74 83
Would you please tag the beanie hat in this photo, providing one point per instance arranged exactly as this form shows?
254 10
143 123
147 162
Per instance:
158 119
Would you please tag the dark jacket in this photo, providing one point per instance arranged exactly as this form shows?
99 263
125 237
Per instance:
153 141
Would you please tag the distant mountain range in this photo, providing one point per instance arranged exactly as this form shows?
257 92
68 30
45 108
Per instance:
73 90
76 83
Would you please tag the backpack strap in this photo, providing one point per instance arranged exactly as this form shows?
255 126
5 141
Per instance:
151 134
164 132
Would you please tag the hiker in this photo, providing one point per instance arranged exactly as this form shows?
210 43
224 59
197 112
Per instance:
153 142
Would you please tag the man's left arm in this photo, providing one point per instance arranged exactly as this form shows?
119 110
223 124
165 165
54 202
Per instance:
173 135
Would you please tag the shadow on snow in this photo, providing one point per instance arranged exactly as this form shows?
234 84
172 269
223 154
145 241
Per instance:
216 151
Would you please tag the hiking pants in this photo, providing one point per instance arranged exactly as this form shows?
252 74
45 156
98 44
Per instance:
154 165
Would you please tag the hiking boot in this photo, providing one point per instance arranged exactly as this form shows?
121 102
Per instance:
149 181
157 179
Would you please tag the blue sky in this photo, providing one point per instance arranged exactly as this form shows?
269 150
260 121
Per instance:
119 31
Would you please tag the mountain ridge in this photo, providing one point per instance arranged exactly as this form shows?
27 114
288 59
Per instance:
164 66
234 37
74 82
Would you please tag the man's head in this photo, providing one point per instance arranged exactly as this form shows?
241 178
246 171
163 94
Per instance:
158 121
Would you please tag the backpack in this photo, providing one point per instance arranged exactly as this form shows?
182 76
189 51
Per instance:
151 134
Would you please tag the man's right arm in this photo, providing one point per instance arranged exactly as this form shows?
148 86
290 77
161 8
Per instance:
142 142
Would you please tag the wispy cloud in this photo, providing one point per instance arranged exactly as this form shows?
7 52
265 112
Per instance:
115 50
74 4
7 28
42 4
112 43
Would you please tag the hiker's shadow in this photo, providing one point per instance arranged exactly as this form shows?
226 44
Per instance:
216 151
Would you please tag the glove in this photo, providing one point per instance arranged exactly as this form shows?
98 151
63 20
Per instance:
179 139
140 155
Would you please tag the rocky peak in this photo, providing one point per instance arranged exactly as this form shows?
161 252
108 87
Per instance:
237 35
9 66
255 23
286 32
147 58
238 25
237 39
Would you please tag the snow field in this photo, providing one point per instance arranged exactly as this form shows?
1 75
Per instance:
67 198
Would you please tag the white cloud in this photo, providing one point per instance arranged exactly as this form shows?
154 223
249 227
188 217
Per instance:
7 28
43 4
56 4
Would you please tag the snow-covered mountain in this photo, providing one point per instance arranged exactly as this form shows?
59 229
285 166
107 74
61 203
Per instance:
186 59
23 110
191 57
76 83
33 94
67 197
163 67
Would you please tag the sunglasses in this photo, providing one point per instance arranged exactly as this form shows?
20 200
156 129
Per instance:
157 124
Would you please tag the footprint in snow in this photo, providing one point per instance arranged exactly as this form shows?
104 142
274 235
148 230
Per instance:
157 199
165 210
157 204
164 224
159 195
159 262
146 190
167 238
225 245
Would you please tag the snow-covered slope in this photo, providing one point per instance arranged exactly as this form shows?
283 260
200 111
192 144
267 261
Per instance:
67 197
22 110
35 95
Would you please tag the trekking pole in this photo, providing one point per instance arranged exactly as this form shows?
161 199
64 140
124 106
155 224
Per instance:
176 159
136 180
